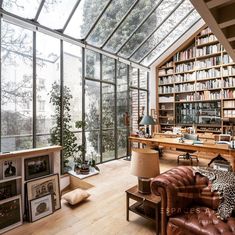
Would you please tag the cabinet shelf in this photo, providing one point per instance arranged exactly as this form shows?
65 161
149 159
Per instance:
10 178
208 55
207 43
184 61
165 75
206 79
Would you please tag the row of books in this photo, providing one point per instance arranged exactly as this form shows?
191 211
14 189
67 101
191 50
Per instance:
229 94
205 31
227 59
165 71
185 87
185 77
166 80
210 38
206 50
166 99
229 103
184 67
229 82
200 64
185 55
203 74
229 113
165 89
229 70
211 84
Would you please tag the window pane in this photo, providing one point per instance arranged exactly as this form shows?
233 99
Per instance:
153 21
122 95
48 83
133 77
174 36
143 102
23 8
108 21
92 64
92 105
122 142
83 18
55 13
108 145
165 28
73 80
108 105
16 88
143 79
93 145
108 69
135 17
134 109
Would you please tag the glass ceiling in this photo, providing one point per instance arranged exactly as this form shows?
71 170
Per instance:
137 30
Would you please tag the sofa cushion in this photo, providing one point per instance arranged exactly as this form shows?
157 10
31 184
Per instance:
76 196
201 220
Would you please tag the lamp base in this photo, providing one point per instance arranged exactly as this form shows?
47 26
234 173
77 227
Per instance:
144 185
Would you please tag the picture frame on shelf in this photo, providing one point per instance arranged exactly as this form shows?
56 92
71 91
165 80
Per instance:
8 189
36 167
41 207
10 213
9 168
42 186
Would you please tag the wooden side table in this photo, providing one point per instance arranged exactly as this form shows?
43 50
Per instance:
146 205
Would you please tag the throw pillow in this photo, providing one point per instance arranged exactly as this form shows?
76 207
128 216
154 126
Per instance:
76 196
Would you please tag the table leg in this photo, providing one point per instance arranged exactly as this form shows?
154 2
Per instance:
127 207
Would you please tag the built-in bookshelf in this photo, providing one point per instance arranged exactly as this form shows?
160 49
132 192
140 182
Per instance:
196 86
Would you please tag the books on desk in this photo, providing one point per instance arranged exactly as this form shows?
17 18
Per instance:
197 142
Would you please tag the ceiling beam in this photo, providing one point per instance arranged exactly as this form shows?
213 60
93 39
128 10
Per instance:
215 3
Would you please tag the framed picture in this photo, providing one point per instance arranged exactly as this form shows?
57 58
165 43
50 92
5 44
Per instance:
10 213
41 207
36 167
41 187
9 168
8 189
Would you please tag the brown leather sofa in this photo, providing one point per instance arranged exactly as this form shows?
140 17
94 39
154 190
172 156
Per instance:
188 206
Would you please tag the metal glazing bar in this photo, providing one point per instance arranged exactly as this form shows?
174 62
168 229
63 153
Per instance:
163 21
128 111
115 112
120 22
1 3
149 52
97 20
39 10
174 42
83 102
71 15
137 28
101 111
34 26
34 92
0 84
147 93
61 102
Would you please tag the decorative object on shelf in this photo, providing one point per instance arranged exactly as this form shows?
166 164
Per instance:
41 207
76 196
36 167
9 168
145 165
40 187
8 189
10 213
147 120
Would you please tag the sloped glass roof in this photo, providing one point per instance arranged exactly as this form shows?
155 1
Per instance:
137 30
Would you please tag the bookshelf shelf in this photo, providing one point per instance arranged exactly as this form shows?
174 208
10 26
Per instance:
201 75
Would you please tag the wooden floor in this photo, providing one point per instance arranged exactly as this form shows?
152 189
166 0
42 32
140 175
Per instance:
105 211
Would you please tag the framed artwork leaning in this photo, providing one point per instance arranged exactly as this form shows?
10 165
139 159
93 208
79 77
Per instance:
36 167
41 207
9 168
8 189
41 187
10 213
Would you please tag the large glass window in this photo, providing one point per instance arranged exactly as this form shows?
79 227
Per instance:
48 82
16 88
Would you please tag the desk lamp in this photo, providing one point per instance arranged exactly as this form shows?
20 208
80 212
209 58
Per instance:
145 165
147 120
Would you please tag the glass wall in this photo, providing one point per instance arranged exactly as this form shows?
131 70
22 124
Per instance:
39 71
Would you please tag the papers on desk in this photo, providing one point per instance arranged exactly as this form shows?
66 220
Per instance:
199 142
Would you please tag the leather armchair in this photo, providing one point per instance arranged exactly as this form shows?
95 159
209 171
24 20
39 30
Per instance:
188 206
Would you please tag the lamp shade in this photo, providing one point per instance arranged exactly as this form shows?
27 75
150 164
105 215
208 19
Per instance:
147 120
144 163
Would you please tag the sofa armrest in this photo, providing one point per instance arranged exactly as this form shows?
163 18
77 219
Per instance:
178 185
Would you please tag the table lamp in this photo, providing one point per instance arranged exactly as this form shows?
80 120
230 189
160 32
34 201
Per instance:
145 165
147 120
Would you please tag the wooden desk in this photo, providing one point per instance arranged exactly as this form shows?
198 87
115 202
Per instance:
187 145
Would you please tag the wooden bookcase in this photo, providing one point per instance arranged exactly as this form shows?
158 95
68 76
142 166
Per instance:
196 86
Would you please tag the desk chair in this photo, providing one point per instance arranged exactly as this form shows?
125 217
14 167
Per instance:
188 153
